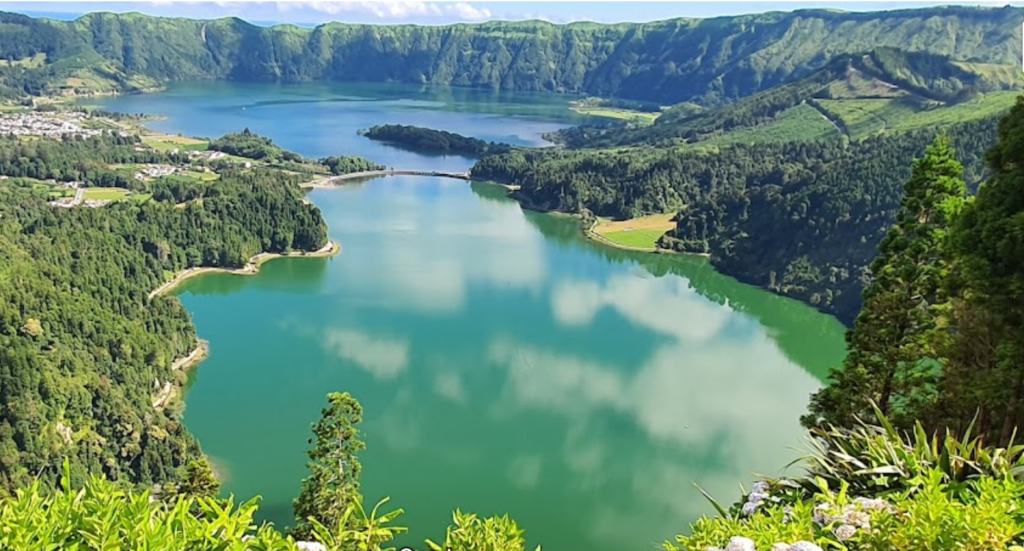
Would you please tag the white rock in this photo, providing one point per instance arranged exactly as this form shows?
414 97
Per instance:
804 546
822 514
867 504
845 532
757 497
749 509
780 547
857 519
737 543
310 546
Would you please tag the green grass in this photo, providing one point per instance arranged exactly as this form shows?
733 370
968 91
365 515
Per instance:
866 117
641 239
200 176
106 193
169 142
140 197
57 193
1005 75
619 114
33 62
799 123
640 233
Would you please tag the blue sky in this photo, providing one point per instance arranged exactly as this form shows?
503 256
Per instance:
433 13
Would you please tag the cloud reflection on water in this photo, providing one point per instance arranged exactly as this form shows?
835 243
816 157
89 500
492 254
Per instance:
705 402
420 259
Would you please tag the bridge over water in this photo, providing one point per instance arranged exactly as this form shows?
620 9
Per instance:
330 180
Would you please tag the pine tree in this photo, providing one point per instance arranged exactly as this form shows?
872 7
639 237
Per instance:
894 342
986 373
199 480
333 482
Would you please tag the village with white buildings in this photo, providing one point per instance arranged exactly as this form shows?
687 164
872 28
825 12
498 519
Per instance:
58 124
47 124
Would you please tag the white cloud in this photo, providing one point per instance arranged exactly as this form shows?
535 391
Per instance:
449 385
393 9
419 266
524 471
469 13
382 357
667 305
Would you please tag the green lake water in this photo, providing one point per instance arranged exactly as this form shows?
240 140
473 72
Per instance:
505 363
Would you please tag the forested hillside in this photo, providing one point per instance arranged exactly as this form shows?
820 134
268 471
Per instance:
800 218
885 90
83 350
707 60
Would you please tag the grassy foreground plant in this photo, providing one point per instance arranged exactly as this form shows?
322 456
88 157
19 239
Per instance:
873 488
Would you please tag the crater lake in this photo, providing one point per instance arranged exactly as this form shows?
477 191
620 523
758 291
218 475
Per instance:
505 363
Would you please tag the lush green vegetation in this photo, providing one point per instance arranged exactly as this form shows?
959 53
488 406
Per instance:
98 514
938 338
885 90
106 193
874 488
252 146
864 117
78 160
348 165
619 109
332 488
800 218
936 358
82 347
794 184
637 233
434 141
711 60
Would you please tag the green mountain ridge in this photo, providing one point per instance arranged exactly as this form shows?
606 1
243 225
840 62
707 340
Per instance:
709 61
911 81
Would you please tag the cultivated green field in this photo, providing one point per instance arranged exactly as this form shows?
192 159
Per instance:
34 62
167 142
200 176
106 193
639 233
800 123
866 117
619 114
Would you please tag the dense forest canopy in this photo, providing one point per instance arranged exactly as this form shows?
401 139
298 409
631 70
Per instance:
801 219
83 347
707 60
434 141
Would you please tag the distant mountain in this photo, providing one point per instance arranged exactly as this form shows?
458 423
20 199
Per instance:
892 88
709 61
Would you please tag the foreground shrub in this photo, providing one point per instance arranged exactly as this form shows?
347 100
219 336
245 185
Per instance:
872 488
878 459
471 533
102 516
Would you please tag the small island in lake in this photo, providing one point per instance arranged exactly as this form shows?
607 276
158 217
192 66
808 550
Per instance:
429 140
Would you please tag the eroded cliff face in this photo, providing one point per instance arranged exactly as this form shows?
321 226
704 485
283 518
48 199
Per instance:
709 60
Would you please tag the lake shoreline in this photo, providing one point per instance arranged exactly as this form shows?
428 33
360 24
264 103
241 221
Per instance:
252 267
170 392
593 236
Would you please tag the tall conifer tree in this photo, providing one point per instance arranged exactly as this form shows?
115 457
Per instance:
985 380
893 344
333 482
